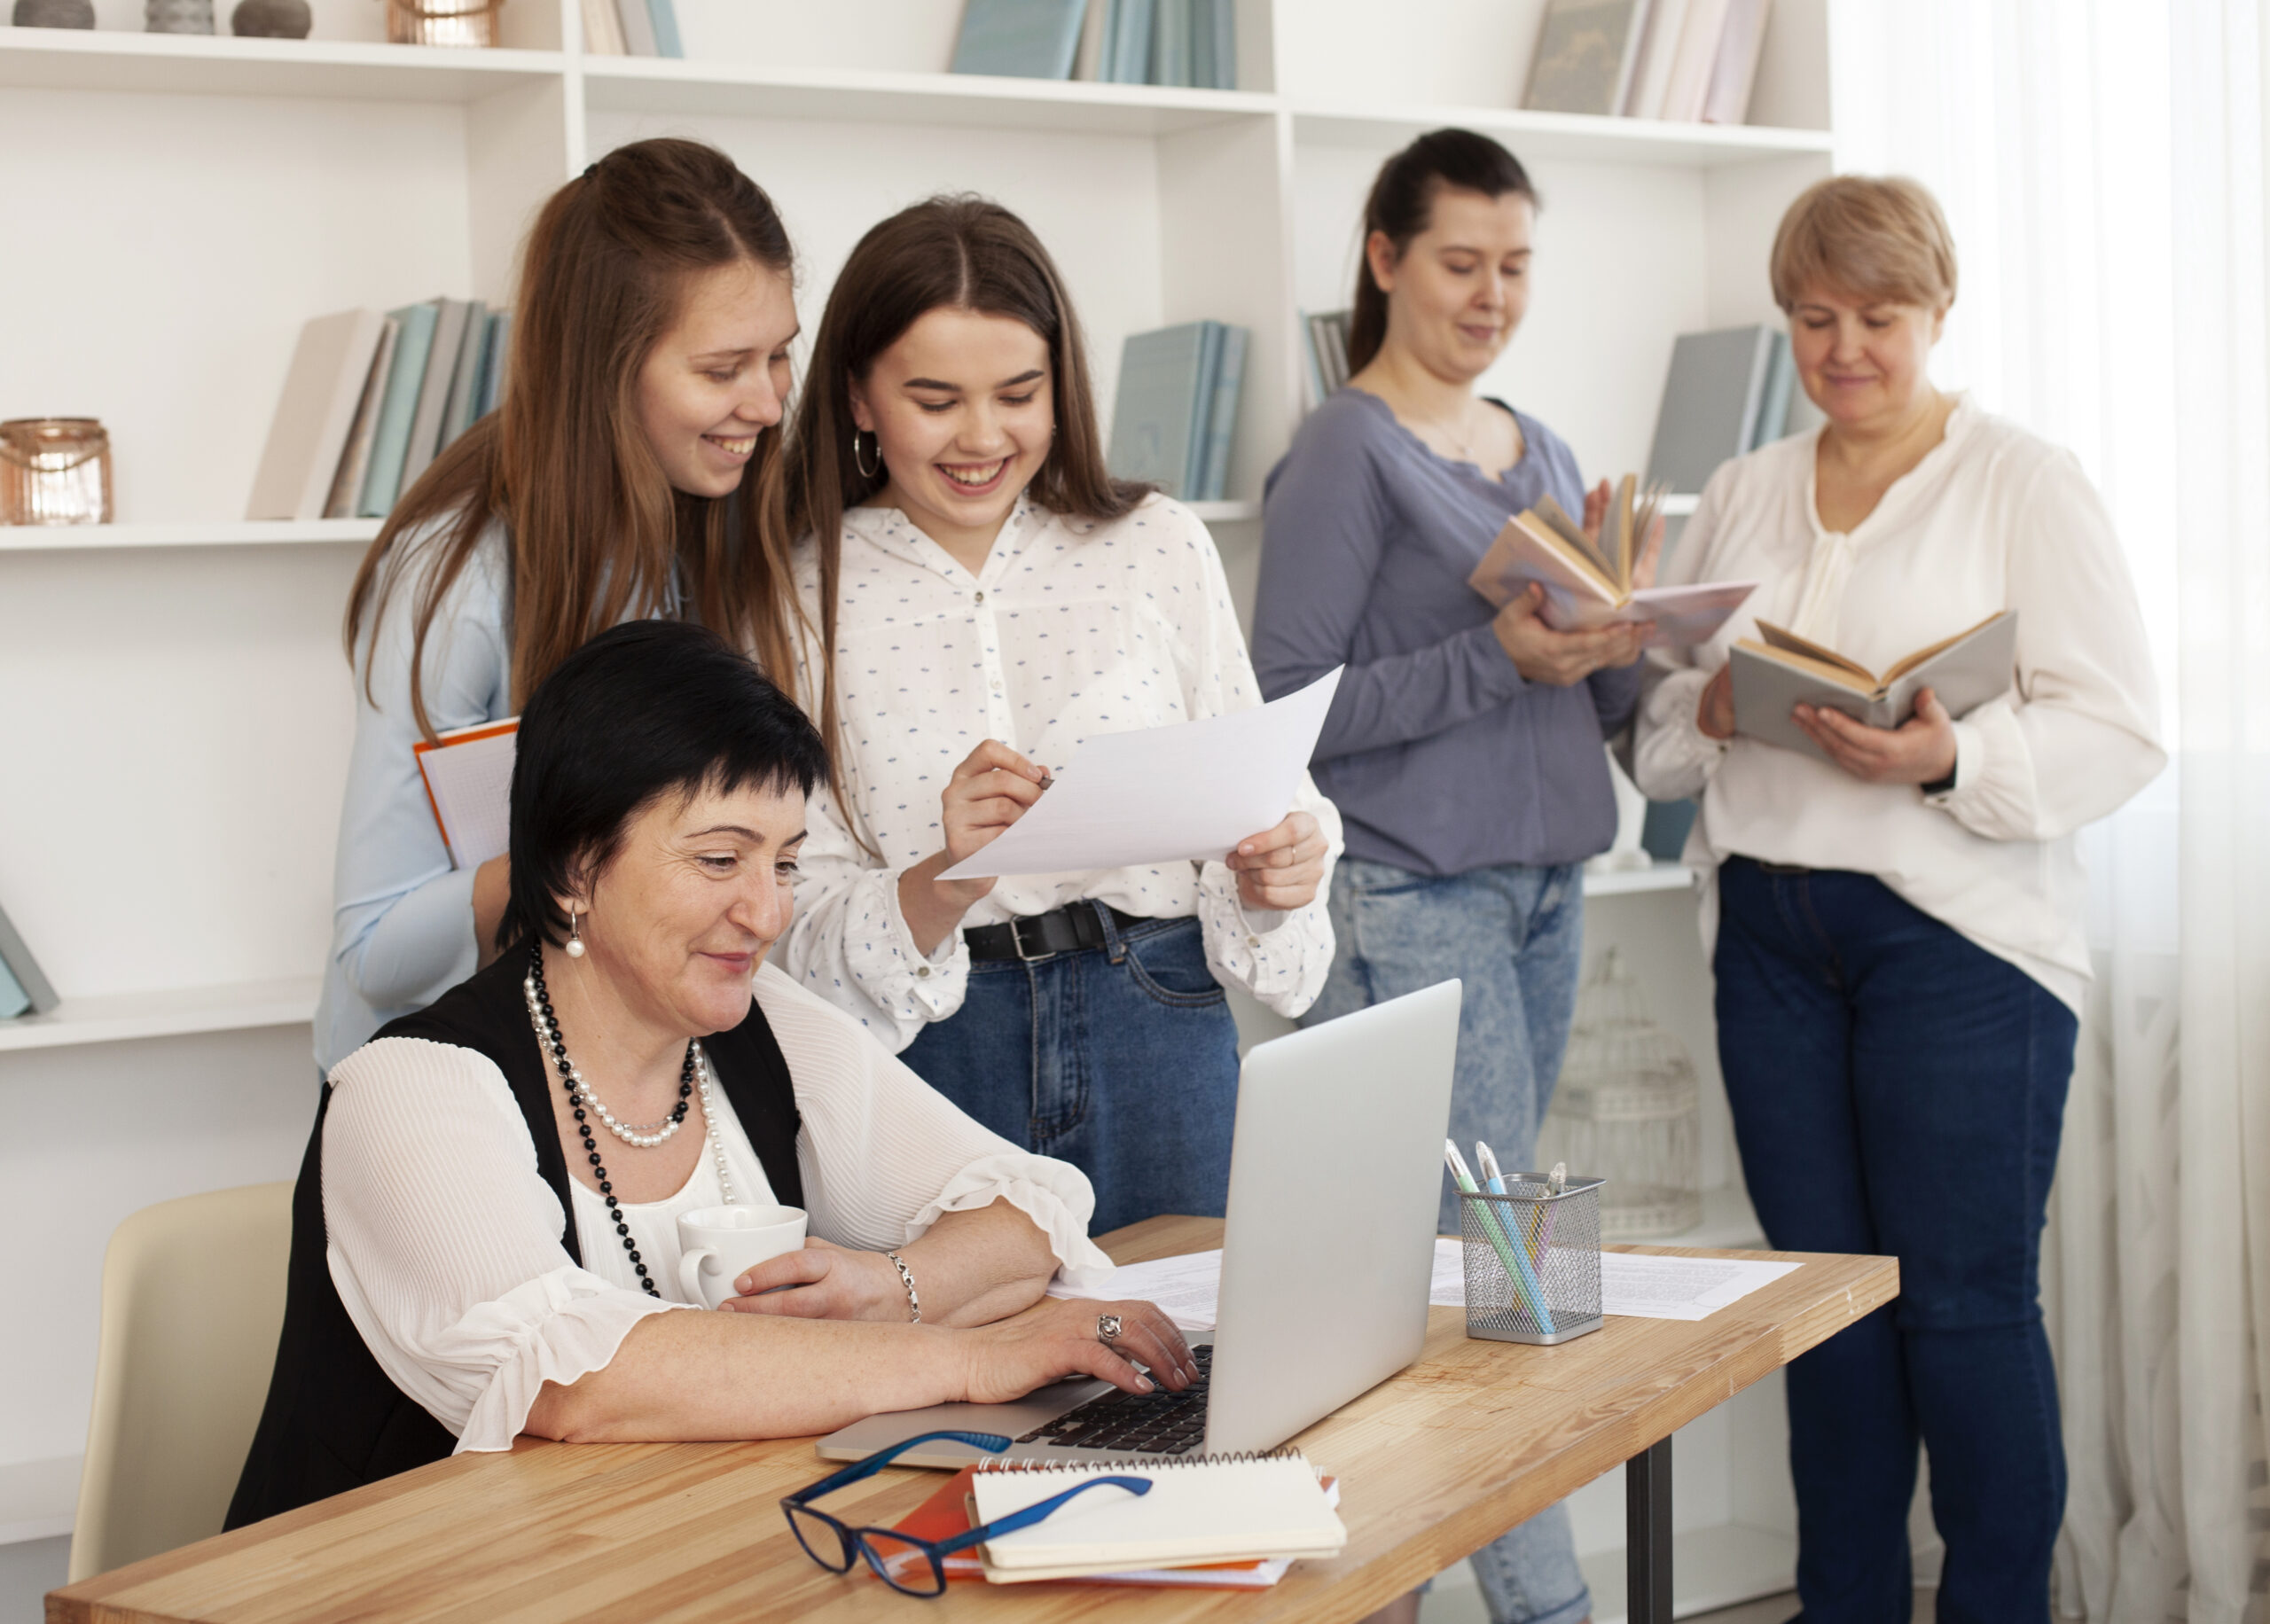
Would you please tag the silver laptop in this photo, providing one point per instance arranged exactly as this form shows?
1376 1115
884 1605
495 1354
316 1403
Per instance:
1334 1175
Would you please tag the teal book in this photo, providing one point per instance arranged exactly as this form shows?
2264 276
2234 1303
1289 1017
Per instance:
1214 45
1128 49
1191 486
493 369
1222 416
1171 42
1019 39
1159 410
1773 412
668 42
25 988
465 384
382 483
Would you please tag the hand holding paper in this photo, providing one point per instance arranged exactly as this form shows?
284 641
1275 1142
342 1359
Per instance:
1187 792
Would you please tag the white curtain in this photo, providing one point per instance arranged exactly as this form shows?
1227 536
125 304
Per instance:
2102 164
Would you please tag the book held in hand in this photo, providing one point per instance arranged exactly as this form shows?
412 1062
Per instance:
1779 670
1588 583
468 774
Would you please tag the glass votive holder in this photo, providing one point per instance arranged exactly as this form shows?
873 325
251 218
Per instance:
441 22
54 471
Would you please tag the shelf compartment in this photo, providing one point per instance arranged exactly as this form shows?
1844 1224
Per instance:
1573 136
215 65
238 533
695 88
118 1018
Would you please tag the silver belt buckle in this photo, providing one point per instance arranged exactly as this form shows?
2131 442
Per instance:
1017 940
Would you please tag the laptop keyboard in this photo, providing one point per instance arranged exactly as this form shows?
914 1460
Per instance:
1155 1423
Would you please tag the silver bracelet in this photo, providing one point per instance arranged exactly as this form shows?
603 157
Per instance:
907 1278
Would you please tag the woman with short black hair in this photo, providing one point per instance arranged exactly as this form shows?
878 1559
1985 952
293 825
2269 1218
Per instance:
484 1235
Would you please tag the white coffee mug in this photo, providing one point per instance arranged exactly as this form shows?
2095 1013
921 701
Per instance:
717 1243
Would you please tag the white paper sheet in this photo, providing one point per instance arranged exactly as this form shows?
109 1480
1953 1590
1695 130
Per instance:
1188 1287
1635 1286
1189 791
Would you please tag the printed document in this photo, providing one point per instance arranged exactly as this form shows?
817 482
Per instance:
1635 1286
1190 790
1186 1288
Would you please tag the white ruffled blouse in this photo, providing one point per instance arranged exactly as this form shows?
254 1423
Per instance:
446 1244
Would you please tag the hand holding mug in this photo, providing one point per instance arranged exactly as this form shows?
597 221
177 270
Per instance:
718 1244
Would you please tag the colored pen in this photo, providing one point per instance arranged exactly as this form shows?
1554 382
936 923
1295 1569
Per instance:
1526 1244
1555 1183
1507 1253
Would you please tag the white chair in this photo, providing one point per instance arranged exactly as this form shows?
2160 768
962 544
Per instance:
192 1305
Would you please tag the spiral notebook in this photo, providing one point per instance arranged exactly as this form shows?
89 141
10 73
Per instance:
1209 1509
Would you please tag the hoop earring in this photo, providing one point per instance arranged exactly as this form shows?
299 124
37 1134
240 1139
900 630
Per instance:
575 933
860 463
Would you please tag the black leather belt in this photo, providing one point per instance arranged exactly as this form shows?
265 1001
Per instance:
1068 929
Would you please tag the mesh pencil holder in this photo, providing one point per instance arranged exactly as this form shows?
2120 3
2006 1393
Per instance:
1532 1260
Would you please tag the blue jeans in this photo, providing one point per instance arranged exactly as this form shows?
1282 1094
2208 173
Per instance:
1514 936
1120 1059
1899 1089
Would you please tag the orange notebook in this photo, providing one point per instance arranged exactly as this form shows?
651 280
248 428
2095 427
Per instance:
468 774
947 1513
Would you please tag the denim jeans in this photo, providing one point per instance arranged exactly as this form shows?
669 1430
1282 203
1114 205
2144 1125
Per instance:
1899 1089
1514 936
1120 1059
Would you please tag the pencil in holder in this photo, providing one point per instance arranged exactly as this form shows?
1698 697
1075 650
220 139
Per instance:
1532 1260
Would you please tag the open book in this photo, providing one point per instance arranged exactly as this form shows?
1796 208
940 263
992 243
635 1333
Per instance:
1588 583
1779 669
468 773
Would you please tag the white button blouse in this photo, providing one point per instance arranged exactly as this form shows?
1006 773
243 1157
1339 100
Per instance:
1073 627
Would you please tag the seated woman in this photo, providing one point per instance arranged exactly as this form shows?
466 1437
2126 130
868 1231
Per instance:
484 1239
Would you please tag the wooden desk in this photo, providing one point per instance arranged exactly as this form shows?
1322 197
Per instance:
1435 1463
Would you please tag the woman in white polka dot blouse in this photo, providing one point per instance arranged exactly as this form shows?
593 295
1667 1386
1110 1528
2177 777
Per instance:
991 596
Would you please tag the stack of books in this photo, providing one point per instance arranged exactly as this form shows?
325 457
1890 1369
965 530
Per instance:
371 400
1729 392
1187 43
23 990
631 28
1691 61
1174 422
1328 357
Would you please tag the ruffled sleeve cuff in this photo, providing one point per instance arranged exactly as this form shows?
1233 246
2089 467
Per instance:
559 1327
1055 1194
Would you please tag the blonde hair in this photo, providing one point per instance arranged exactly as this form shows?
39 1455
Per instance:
1878 237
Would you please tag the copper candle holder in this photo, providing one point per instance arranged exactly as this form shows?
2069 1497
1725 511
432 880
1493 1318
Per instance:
54 471
443 22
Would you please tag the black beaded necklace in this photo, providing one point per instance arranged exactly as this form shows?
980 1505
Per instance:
582 1117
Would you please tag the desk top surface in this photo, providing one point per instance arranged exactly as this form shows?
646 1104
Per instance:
1473 1436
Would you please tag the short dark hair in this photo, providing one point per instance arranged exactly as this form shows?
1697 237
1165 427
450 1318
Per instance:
646 709
1402 205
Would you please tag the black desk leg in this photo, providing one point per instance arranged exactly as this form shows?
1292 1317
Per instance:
1646 1534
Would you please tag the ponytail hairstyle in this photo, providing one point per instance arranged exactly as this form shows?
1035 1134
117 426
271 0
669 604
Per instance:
1402 205
961 252
598 534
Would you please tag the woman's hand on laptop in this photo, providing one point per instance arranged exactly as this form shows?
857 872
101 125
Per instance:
1057 1338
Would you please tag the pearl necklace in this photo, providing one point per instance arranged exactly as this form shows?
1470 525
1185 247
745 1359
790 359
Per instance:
696 1073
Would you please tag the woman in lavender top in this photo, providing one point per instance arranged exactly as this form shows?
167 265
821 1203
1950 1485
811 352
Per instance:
1464 747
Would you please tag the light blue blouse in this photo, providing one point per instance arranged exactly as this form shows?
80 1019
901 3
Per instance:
402 918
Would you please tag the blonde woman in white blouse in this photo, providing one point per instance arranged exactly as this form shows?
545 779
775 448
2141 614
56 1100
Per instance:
1897 930
987 597
485 1237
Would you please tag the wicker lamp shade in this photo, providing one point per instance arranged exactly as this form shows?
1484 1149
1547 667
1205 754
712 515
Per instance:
1626 1110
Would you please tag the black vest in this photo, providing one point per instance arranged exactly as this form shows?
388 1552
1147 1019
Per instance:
334 1420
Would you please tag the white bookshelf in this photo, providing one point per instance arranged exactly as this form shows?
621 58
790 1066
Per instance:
180 206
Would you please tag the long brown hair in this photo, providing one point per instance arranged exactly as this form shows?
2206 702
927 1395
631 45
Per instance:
1402 204
596 532
948 252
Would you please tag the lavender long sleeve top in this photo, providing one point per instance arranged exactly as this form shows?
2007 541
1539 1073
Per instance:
1440 756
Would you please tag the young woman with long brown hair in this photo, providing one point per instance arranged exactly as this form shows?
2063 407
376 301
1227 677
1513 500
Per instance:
989 595
617 480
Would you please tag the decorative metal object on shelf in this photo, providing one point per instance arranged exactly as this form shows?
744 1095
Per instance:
1626 1109
276 19
178 16
443 22
54 471
53 14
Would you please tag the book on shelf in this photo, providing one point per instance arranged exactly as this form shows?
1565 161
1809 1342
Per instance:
1733 70
1326 355
24 986
1174 416
1171 42
1019 39
355 462
495 350
1127 42
1778 669
398 407
465 379
1587 580
1214 45
1184 43
1719 401
425 428
602 29
637 25
668 41
314 415
947 1513
1204 1510
1658 51
1705 24
468 777
1587 54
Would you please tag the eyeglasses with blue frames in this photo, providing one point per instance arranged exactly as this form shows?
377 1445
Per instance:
912 1567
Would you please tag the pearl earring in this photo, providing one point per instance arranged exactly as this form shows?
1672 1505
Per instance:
574 934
